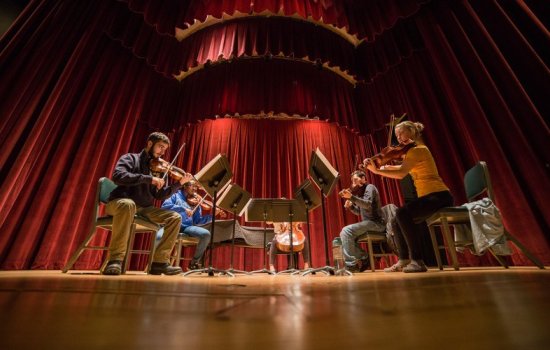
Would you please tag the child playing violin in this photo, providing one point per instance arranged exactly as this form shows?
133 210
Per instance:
188 204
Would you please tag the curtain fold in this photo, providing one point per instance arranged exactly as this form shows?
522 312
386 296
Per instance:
249 37
269 159
261 86
363 19
473 95
75 133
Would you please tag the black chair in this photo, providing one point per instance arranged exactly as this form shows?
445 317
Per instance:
140 225
476 182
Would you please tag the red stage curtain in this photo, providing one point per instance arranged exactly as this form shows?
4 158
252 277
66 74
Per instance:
478 87
364 19
74 100
62 132
235 39
270 158
256 86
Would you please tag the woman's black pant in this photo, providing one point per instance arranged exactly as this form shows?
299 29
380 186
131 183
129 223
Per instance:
409 219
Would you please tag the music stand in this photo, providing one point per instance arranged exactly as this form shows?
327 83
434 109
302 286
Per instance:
213 177
306 195
288 210
260 210
324 176
235 199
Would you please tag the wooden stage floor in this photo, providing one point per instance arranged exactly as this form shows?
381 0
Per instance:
486 308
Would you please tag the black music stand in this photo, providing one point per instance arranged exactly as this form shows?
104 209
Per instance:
288 210
306 195
325 176
213 177
235 199
260 210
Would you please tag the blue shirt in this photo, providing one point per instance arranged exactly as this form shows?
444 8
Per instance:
178 203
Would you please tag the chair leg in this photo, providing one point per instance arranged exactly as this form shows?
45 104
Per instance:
450 242
179 247
436 247
371 254
524 250
500 259
79 251
127 257
151 251
104 264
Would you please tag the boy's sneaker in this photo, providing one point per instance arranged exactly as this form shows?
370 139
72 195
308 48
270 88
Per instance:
193 265
365 264
353 268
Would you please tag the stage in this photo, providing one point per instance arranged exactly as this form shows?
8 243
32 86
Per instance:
473 308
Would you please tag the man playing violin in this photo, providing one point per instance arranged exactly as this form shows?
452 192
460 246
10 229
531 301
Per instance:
187 203
137 189
363 201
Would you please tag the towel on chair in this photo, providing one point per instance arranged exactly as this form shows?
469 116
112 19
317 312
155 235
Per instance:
487 230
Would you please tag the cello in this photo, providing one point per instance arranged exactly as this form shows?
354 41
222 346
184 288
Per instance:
283 237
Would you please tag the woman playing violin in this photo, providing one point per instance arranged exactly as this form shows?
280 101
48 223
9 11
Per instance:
433 194
188 204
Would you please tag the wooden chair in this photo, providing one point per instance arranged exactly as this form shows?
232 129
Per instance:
476 182
373 237
184 241
140 225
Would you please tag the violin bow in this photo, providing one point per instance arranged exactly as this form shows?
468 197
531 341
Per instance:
390 133
173 160
198 205
393 122
206 194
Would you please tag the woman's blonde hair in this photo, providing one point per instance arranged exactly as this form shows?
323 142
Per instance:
415 128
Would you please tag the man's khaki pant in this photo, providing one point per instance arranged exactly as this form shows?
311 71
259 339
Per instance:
123 210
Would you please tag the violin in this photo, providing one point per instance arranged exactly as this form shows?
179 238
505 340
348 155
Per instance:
195 200
283 238
356 190
388 154
161 166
